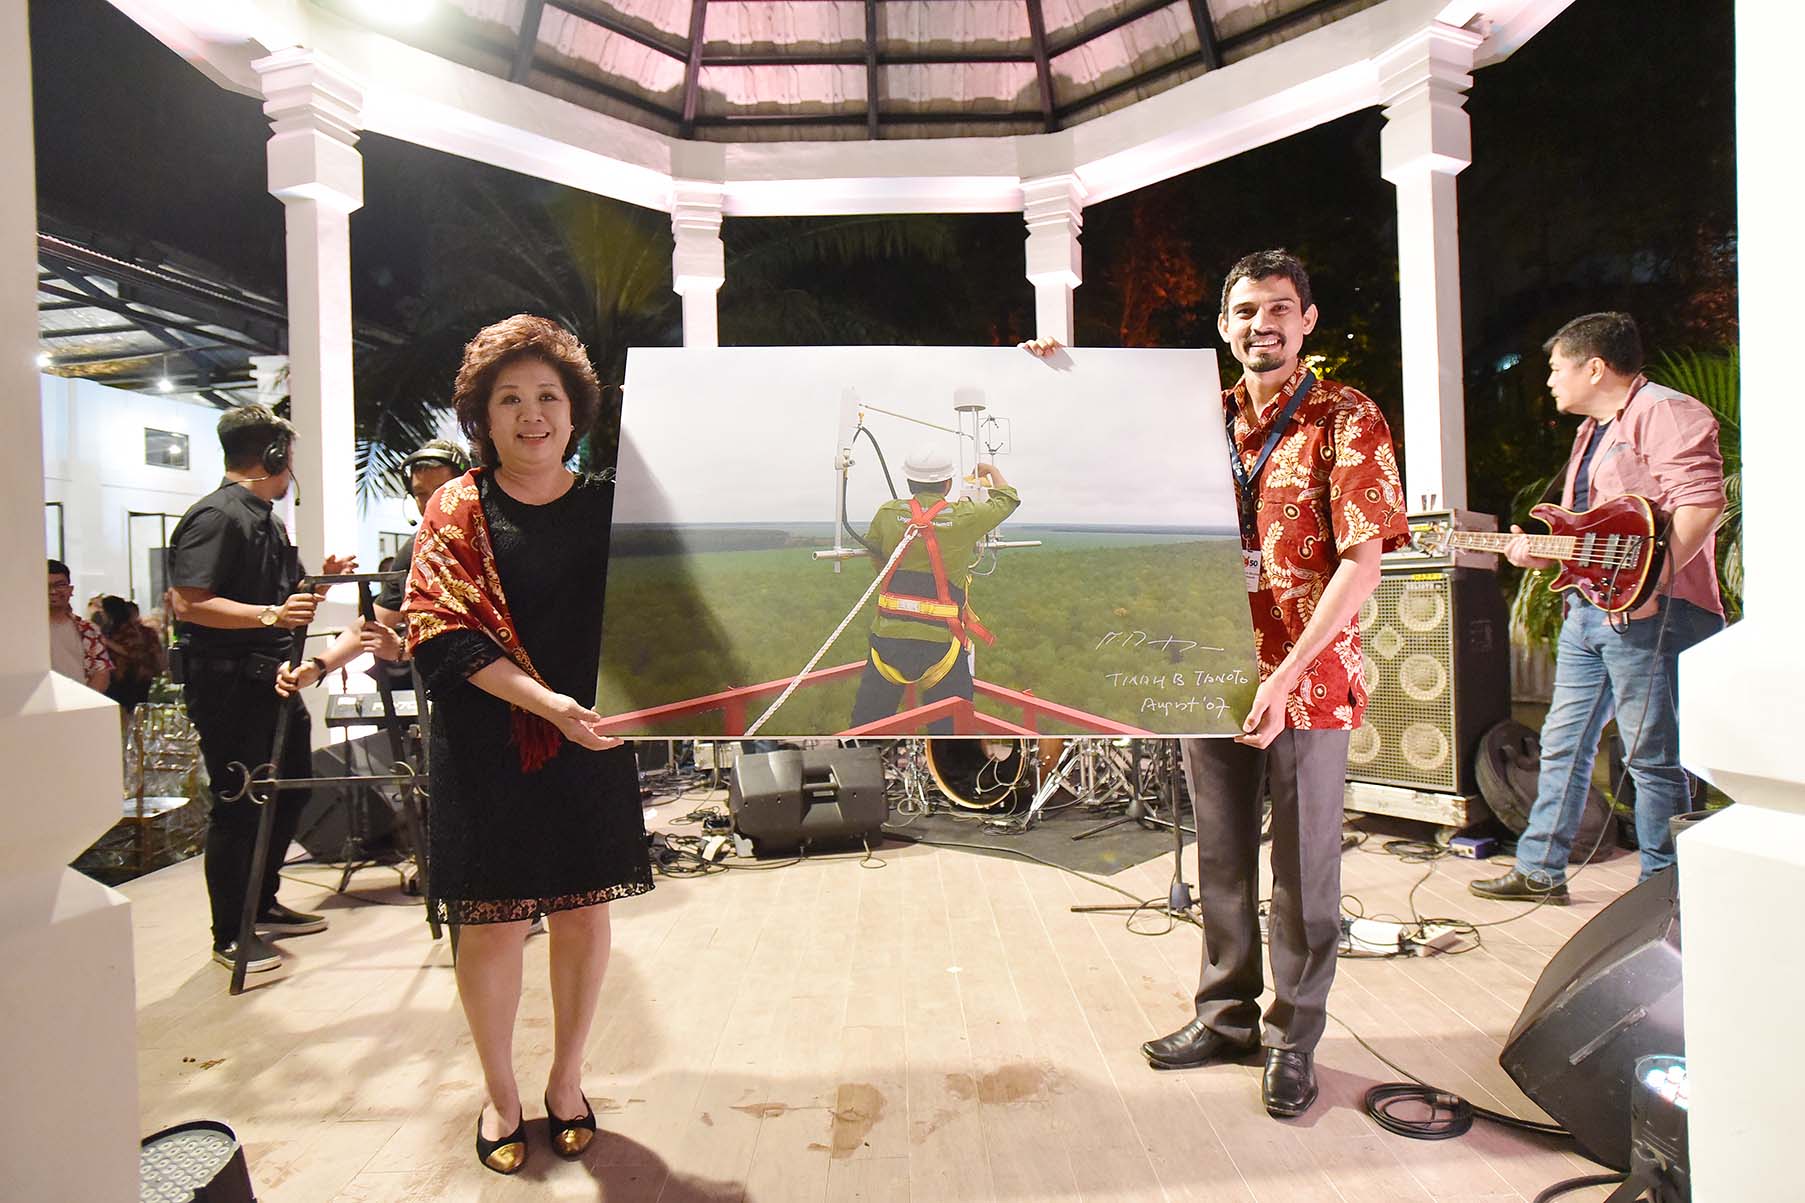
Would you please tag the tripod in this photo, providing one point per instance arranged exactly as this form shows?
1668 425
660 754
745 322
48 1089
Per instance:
1178 898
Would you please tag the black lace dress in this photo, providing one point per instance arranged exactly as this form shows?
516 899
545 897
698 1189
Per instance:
506 844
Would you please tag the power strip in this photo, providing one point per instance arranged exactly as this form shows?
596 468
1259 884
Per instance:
1374 937
1436 937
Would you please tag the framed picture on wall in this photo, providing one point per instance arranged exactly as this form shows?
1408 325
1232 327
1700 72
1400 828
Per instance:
165 449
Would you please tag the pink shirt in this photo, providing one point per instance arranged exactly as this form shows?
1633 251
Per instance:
1663 446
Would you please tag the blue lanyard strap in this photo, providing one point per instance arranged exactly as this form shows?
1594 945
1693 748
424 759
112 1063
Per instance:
1246 482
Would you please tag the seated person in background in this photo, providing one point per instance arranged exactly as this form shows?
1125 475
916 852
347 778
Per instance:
77 649
137 652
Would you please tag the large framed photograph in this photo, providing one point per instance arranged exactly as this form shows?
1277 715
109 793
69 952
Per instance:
877 541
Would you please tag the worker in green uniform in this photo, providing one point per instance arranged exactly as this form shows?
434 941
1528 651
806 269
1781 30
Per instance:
924 622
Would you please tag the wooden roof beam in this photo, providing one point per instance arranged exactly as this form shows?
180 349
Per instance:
529 41
1037 29
692 68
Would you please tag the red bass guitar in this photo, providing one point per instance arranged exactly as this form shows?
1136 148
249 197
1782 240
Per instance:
1610 553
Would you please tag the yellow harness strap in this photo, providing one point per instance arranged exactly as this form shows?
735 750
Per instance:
916 605
926 680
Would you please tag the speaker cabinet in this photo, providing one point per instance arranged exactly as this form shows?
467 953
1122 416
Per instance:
338 817
1436 646
1610 995
784 801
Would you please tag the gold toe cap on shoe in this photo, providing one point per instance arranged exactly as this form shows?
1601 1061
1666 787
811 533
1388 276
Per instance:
571 1142
507 1158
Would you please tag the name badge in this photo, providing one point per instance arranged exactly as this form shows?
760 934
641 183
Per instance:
1250 569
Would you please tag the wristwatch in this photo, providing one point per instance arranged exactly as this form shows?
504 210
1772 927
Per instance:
319 669
269 615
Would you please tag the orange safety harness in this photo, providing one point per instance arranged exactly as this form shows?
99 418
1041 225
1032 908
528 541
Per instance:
959 619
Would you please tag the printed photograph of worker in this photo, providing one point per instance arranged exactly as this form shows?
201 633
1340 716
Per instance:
880 541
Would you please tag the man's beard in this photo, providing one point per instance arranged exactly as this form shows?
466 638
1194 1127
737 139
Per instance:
1265 361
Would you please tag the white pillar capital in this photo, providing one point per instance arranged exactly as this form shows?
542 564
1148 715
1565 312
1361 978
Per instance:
1053 208
699 262
1423 81
699 259
315 108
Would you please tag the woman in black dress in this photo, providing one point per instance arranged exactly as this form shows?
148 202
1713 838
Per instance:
533 811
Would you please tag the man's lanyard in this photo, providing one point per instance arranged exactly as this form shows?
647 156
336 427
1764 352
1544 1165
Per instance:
1246 482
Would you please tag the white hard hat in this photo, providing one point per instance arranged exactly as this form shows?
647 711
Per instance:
928 464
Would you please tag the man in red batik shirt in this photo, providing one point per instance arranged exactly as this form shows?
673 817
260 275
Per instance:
1320 500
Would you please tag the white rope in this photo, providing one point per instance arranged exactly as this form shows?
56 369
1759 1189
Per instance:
908 537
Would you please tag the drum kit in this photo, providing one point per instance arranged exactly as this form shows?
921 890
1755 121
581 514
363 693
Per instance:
1015 782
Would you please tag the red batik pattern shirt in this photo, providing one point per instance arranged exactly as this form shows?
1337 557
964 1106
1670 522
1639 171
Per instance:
1332 482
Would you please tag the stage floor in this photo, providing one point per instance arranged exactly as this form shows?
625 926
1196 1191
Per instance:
938 1028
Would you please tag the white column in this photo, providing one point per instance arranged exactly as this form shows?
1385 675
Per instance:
314 107
1424 145
68 1064
699 262
1742 872
1053 207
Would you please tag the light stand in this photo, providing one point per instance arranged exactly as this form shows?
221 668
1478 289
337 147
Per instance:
1178 898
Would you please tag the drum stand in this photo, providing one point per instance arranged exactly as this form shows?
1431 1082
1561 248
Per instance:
1137 806
1178 898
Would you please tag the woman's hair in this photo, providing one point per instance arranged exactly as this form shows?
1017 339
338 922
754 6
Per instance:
523 336
115 613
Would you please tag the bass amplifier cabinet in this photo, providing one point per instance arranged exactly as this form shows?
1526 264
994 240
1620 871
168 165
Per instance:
1611 995
787 800
1436 644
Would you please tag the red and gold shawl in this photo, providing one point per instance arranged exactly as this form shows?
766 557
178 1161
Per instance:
454 587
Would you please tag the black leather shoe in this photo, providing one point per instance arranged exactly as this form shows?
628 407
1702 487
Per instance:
504 1156
1290 1083
1192 1045
1514 887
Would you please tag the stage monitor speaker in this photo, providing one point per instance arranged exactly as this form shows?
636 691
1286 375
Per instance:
326 820
1610 995
785 801
1436 645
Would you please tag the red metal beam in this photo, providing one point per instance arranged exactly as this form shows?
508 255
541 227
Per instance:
723 700
905 722
1083 719
967 720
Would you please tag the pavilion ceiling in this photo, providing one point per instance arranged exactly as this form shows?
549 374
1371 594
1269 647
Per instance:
796 70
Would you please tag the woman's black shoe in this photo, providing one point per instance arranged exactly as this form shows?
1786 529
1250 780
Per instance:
504 1156
570 1136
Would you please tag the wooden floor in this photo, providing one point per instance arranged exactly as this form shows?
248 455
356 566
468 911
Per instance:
938 1028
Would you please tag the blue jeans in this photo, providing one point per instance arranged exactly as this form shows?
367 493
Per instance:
1599 671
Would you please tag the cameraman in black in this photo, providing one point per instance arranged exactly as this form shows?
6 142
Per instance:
236 582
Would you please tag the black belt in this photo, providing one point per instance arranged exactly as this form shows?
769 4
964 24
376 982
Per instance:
258 666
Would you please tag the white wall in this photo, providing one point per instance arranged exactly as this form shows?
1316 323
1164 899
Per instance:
94 464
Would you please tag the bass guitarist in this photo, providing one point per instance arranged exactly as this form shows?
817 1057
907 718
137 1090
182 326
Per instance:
1642 438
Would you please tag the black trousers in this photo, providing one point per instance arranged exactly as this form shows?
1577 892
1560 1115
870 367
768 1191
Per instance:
878 698
236 719
1307 773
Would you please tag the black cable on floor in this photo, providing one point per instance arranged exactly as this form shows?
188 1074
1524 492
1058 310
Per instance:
1449 1114
1569 1185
